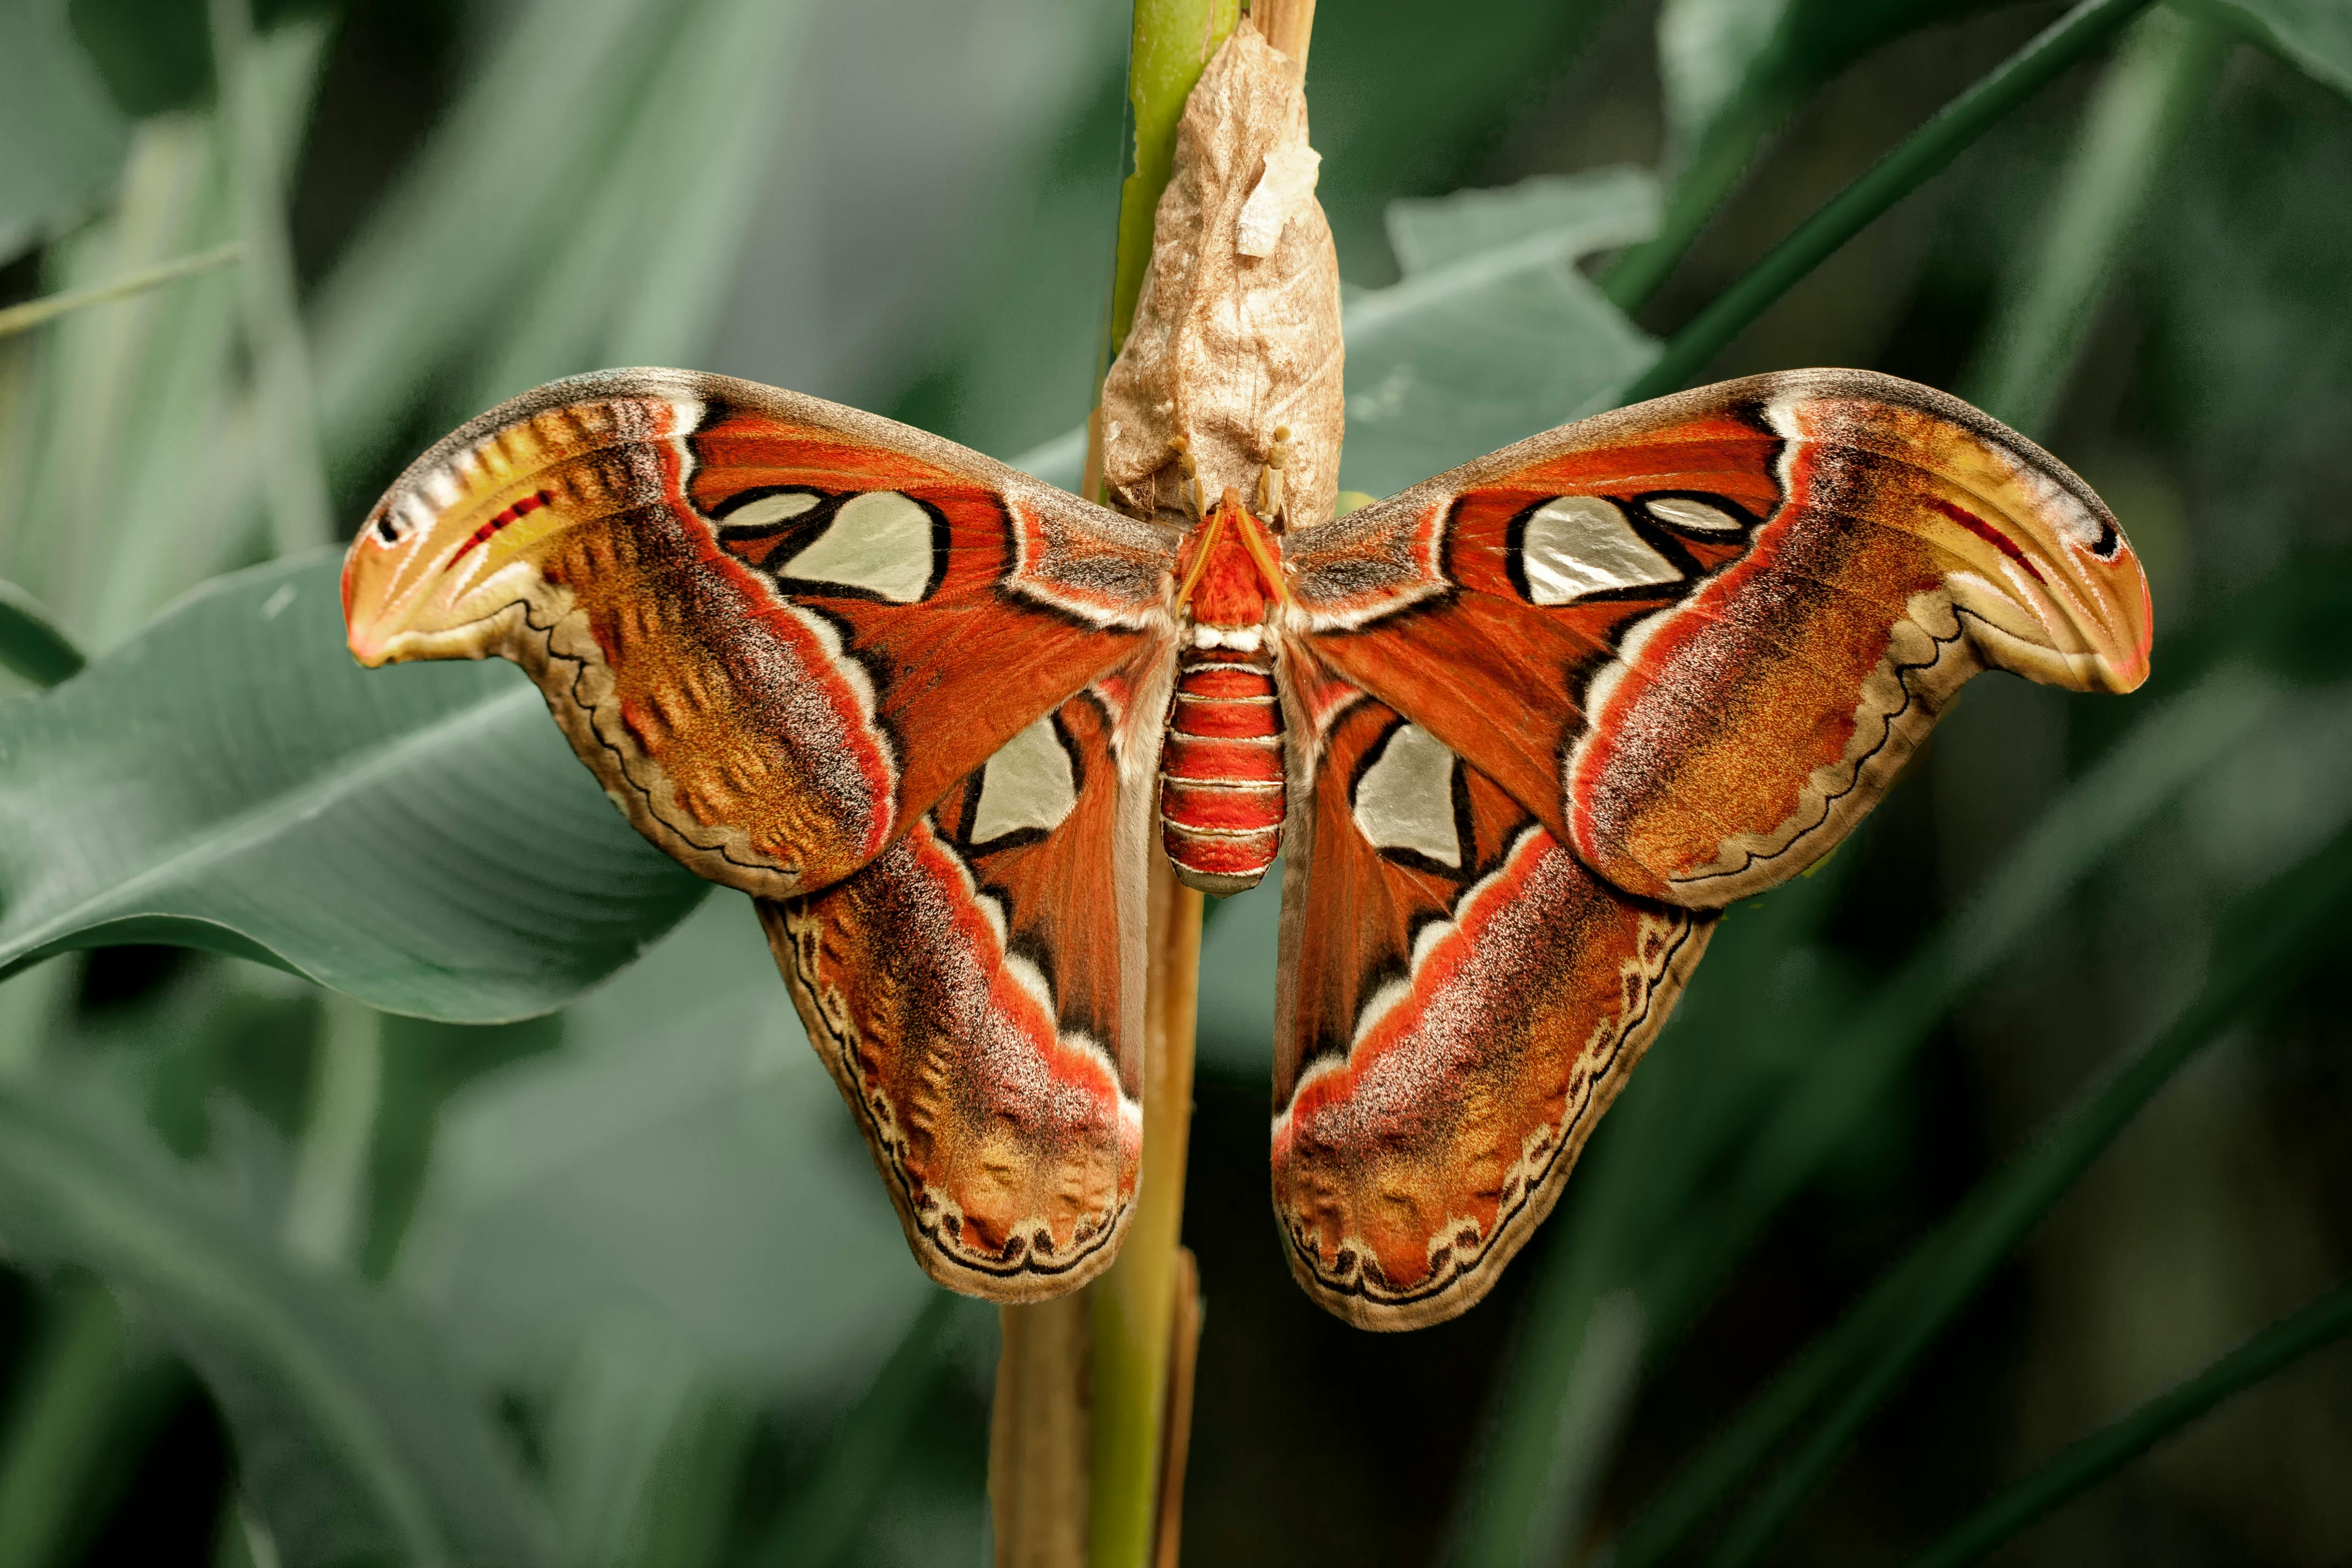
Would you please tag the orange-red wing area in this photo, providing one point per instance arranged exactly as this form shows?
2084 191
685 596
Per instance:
977 994
776 629
1461 999
1696 639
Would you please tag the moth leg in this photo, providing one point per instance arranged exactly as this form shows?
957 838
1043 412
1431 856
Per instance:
1269 481
1194 498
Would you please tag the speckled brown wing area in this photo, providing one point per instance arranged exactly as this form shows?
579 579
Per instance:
1461 1001
1697 637
776 629
977 993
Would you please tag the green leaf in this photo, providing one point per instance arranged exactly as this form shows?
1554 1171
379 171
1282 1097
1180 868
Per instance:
1598 210
2146 103
419 837
684 1157
65 139
2314 35
352 1434
1904 168
644 271
1733 71
2268 939
30 642
456 263
1411 98
1492 334
2093 1458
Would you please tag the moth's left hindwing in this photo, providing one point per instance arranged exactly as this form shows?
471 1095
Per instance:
977 992
776 629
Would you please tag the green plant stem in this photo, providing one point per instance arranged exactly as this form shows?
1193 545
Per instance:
1131 1309
2093 1458
39 313
1172 43
31 643
1910 165
2281 928
2144 106
1133 1306
294 477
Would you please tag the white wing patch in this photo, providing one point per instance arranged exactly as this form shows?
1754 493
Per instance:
769 509
1577 545
1405 799
1692 516
1028 784
880 541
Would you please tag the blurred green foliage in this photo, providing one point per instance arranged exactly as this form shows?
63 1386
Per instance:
572 1256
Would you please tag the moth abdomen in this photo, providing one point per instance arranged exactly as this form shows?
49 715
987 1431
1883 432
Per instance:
1221 793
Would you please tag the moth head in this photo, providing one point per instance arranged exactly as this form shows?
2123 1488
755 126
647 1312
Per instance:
438 559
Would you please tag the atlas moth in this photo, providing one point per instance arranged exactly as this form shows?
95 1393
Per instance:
1519 732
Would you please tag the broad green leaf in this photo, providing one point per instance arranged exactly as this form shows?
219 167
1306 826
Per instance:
2316 34
64 139
352 1434
417 837
1598 210
685 1157
1487 342
30 642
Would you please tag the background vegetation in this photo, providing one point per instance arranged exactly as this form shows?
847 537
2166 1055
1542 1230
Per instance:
540 1236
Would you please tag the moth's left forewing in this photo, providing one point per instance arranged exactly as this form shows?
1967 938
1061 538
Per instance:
1461 999
977 992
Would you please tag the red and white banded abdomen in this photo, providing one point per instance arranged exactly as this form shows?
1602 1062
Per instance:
1221 770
